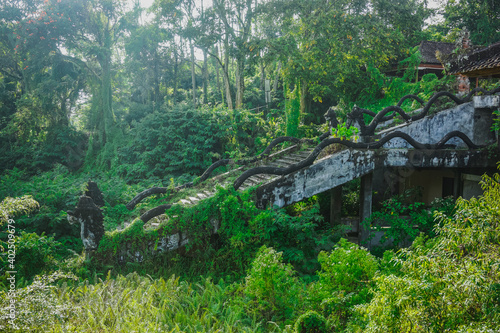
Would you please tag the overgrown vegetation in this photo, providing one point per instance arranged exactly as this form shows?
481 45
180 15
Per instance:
446 283
91 90
403 218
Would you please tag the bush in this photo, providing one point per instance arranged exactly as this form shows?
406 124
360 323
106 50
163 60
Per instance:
37 306
407 218
311 322
449 283
10 207
348 268
345 279
184 141
271 287
35 254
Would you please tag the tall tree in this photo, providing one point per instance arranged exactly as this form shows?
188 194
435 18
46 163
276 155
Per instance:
98 26
213 40
480 17
41 84
237 17
330 49
406 16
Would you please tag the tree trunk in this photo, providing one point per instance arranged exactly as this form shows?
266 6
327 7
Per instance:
227 82
205 77
240 81
276 80
193 76
305 100
156 97
262 75
106 93
176 74
219 86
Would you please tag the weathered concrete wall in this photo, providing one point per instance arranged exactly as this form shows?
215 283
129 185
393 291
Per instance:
471 186
474 119
431 181
129 252
431 129
349 164
137 251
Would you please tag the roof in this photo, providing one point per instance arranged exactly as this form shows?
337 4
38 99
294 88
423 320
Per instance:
483 62
428 51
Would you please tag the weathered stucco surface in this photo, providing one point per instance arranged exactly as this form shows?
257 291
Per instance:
349 164
433 128
473 118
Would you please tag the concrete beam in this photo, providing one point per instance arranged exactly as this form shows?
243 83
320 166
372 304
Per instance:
337 169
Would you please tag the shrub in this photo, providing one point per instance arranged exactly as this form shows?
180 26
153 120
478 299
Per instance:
10 207
37 307
345 279
348 268
407 218
35 254
271 287
183 141
451 282
311 322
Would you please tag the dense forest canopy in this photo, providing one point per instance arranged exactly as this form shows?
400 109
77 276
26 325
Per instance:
76 76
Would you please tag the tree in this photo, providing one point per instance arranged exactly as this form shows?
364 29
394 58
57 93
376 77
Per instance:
328 49
480 17
230 23
42 85
406 16
98 25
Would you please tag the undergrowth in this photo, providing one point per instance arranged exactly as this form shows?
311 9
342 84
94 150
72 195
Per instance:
447 283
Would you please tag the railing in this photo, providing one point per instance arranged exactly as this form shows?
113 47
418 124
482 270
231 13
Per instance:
356 116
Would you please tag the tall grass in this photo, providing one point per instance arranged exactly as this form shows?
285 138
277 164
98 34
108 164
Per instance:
131 303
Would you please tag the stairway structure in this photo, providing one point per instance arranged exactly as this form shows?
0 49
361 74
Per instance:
451 140
473 119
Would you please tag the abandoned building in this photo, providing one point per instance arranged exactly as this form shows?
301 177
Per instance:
429 63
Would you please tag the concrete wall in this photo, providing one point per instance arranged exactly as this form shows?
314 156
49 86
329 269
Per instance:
433 128
474 119
471 186
431 182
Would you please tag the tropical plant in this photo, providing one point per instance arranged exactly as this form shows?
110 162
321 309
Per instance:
450 283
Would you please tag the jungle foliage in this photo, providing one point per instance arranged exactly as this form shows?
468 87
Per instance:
134 98
449 282
74 76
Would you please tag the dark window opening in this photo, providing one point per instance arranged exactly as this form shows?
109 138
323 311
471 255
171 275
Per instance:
448 187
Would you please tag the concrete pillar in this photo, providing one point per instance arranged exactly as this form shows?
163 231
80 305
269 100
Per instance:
365 206
484 106
335 205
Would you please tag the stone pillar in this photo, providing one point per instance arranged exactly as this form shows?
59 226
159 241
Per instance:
335 205
463 85
484 107
93 191
91 223
331 118
365 207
